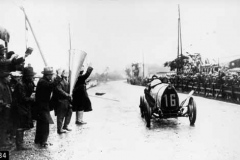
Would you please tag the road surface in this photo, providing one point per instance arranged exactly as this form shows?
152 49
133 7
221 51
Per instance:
116 131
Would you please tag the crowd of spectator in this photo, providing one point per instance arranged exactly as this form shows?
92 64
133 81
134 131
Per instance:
23 102
219 85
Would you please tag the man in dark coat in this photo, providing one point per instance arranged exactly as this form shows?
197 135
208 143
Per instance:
43 93
81 102
54 98
22 105
63 108
5 105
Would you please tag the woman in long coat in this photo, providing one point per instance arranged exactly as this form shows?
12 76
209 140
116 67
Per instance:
81 102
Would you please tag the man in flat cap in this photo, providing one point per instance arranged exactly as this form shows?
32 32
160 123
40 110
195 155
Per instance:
44 90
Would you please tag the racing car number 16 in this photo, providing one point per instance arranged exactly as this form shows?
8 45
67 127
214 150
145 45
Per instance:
172 98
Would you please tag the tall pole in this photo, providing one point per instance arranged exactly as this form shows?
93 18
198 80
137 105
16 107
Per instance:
143 65
69 63
180 32
180 39
26 32
178 48
44 60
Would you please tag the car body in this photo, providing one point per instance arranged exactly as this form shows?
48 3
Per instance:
160 100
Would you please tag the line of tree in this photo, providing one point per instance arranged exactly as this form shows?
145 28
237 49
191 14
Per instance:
189 63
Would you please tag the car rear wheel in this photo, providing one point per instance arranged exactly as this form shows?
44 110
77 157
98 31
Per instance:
148 115
192 111
141 106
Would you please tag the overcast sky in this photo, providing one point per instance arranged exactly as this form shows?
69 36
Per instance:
115 33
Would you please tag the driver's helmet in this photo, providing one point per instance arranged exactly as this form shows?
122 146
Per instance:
165 80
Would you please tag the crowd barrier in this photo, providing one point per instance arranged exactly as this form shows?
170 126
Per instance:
229 93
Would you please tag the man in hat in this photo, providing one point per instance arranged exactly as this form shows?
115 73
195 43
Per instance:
81 102
63 107
54 98
44 89
5 105
22 105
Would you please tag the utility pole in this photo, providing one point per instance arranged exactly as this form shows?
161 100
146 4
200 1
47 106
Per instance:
178 42
180 32
179 53
143 64
69 60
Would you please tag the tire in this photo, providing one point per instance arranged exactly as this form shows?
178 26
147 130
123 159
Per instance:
192 111
148 115
141 106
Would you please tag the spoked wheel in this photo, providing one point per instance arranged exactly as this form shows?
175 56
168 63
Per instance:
192 111
148 115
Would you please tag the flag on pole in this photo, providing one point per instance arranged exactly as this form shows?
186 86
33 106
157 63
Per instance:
26 32
76 61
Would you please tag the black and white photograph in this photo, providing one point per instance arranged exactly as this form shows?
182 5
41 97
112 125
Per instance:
119 79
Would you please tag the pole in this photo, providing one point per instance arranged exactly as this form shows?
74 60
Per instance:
178 42
180 37
44 60
178 48
69 64
70 42
181 47
180 32
143 65
26 36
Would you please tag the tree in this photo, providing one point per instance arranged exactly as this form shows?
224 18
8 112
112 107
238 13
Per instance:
195 61
177 63
128 72
135 69
190 63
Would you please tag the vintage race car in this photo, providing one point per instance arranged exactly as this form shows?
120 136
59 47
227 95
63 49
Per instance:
160 100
